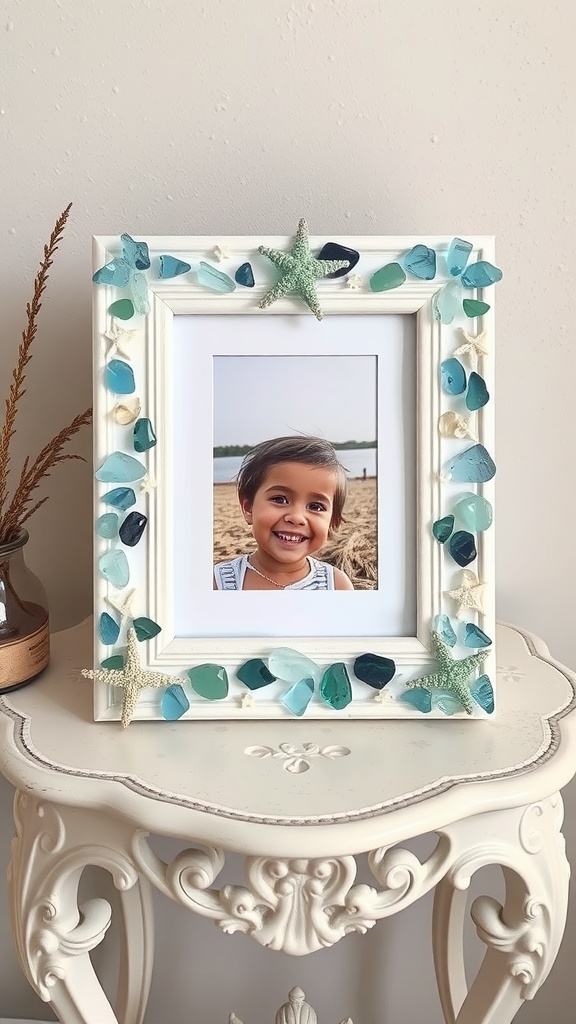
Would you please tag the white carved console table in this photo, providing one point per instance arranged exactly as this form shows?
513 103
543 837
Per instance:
89 794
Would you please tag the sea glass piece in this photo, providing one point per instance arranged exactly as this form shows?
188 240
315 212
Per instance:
216 280
473 466
457 256
473 307
126 412
144 436
447 703
298 697
421 261
115 661
209 681
132 528
136 253
107 525
419 698
146 628
290 665
108 629
388 277
120 497
140 294
480 275
122 309
117 273
335 686
119 377
453 376
245 276
462 547
170 266
374 670
446 303
483 693
477 394
174 703
255 674
335 251
119 468
474 512
442 528
114 567
475 637
443 627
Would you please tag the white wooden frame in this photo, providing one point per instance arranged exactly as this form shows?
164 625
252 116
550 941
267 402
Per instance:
153 559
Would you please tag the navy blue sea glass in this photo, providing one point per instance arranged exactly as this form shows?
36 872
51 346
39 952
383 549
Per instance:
335 251
462 547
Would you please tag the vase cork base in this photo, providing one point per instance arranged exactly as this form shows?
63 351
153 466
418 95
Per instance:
25 657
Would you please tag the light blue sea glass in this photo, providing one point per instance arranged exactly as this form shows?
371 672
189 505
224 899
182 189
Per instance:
481 274
447 703
477 395
335 686
145 628
447 303
123 309
209 681
117 273
443 627
119 377
483 693
172 267
174 703
420 261
214 279
114 567
475 637
144 436
108 629
388 277
120 497
474 512
140 294
453 376
136 253
457 256
291 666
119 468
107 525
298 697
418 698
473 466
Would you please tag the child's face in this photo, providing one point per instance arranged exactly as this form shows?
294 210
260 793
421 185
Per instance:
292 510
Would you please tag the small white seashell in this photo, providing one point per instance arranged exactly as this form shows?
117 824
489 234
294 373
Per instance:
451 424
126 412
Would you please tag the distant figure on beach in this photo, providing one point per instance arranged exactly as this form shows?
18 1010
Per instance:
364 473
291 492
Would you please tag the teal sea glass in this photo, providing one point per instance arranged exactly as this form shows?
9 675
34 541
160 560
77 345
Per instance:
457 256
472 466
473 307
144 436
442 528
453 376
335 686
108 629
119 468
447 303
481 275
462 547
122 309
245 276
120 497
443 627
255 674
174 703
418 698
146 628
474 512
291 666
475 637
420 261
107 525
172 267
209 681
216 280
119 377
483 693
388 277
114 567
298 697
477 394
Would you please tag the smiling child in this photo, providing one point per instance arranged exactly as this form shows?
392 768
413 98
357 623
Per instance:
291 492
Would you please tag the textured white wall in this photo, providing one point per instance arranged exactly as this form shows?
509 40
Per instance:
239 116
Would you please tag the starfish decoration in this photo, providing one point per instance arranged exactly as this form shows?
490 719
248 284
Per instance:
148 484
123 603
119 339
220 253
300 271
354 282
451 675
246 701
133 678
470 593
473 347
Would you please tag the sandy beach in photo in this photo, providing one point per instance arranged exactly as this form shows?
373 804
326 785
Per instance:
352 549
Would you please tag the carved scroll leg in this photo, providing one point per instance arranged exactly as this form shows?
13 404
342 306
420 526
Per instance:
136 953
447 933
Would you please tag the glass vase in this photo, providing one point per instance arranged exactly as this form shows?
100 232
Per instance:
24 629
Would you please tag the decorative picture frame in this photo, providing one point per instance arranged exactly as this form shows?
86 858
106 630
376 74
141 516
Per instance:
147 666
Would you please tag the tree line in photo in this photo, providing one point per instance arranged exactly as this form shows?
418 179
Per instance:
221 451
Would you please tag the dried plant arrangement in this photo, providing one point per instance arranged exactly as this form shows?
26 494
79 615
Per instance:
15 510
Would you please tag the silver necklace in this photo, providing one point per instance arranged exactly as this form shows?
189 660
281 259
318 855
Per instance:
281 586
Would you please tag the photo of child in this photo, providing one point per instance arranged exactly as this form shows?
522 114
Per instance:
291 492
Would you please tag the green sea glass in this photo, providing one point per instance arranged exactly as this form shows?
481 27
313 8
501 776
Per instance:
123 309
388 277
144 436
335 686
209 681
474 511
146 628
442 528
255 674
